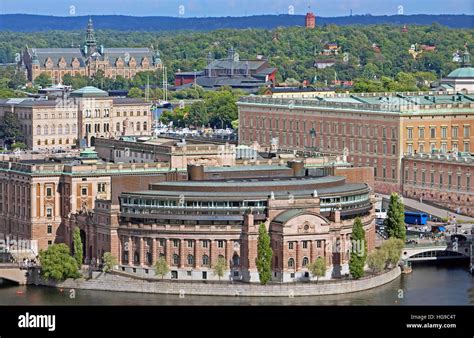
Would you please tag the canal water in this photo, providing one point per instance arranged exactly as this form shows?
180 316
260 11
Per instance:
430 283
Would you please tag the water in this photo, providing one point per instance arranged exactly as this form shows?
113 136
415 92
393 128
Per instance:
430 283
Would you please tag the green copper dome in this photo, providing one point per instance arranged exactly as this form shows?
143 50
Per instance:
89 91
462 72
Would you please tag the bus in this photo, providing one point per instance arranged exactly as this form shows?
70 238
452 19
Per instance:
416 218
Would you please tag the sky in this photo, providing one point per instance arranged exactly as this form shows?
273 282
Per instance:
217 8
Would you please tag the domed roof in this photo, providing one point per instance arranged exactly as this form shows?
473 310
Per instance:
463 72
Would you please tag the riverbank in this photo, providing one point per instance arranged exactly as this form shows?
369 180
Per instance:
123 283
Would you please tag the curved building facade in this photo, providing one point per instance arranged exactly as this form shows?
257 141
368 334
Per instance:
193 223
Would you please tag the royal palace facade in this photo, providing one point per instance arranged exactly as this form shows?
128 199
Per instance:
88 60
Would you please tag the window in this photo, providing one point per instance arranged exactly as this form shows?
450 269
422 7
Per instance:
49 212
175 243
468 183
394 149
49 191
101 187
162 242
190 259
205 244
444 132
220 244
444 148
305 261
175 259
46 130
50 229
83 191
290 245
38 130
50 243
459 182
384 133
433 132
305 244
291 263
318 244
410 149
190 243
466 147
455 132
421 132
450 181
205 260
145 126
410 133
440 180
467 131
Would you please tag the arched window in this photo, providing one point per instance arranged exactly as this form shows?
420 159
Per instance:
175 259
131 125
291 263
144 126
67 141
205 260
221 257
38 130
190 259
53 129
67 129
60 129
74 128
305 261
235 260
117 126
138 126
46 130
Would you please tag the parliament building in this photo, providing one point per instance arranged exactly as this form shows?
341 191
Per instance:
88 60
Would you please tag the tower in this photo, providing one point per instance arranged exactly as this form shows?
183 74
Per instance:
310 20
466 57
91 44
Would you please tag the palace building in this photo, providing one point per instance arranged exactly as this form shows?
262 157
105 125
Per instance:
88 60
375 129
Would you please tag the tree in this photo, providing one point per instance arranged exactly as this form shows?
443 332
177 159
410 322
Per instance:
10 128
135 92
18 145
43 80
57 263
392 249
318 268
395 221
109 262
161 267
357 260
376 260
77 245
264 255
220 267
197 115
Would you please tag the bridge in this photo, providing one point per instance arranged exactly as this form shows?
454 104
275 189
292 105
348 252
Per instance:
12 272
436 251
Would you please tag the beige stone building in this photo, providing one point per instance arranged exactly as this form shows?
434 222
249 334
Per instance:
77 120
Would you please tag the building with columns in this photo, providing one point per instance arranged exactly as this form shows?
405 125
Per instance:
374 129
88 60
191 224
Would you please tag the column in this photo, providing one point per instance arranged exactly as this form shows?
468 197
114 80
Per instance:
229 251
57 203
131 253
213 253
168 251
41 200
297 256
182 259
313 253
142 252
153 250
120 254
33 200
197 253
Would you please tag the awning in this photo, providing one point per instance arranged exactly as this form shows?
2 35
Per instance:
442 228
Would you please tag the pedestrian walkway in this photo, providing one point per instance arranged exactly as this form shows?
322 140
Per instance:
432 210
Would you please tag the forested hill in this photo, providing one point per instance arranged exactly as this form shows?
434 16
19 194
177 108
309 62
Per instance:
31 23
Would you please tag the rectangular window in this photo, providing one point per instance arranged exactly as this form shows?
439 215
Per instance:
394 149
433 132
450 181
49 191
220 244
459 182
432 178
50 243
468 183
205 244
101 187
410 148
423 178
305 244
410 133
190 243
440 180
318 244
49 212
466 147
290 245
467 131
421 132
444 132
455 132
444 148
162 242
384 133
175 243
50 229
83 191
